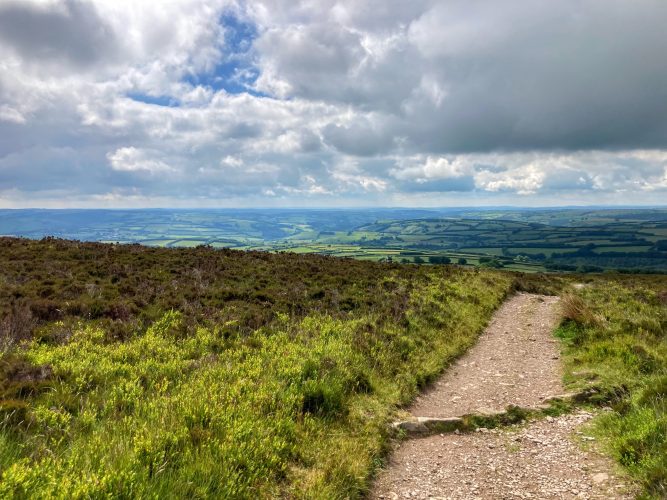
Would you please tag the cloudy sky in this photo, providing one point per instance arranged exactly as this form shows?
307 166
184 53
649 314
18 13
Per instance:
119 103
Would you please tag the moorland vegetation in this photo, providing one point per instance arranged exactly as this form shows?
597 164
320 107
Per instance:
615 341
129 371
134 372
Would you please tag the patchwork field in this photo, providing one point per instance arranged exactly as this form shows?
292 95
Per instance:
568 240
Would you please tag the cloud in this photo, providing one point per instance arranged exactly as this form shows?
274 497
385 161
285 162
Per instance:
481 76
131 159
523 174
332 102
69 32
435 174
12 115
361 137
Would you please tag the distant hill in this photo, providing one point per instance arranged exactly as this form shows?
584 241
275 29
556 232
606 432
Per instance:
527 240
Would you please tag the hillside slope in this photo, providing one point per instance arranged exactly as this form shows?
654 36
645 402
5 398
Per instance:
130 371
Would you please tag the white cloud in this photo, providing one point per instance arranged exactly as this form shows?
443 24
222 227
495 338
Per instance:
523 181
349 176
231 161
12 115
381 101
435 168
131 159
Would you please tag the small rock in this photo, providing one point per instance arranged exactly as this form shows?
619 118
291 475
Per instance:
600 477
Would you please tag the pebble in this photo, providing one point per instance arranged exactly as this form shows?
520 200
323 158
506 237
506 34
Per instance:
600 477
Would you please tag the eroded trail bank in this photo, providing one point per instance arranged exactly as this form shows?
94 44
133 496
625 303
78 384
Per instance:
515 362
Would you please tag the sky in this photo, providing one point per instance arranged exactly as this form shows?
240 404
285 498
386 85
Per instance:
332 103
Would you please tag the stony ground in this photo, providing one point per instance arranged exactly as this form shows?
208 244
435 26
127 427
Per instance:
515 362
543 459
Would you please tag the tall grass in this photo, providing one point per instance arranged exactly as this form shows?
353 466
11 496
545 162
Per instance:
617 341
295 408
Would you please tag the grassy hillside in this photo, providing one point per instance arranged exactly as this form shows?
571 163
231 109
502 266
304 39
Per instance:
129 371
135 372
616 341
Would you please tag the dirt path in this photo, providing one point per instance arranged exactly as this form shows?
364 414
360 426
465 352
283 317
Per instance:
515 362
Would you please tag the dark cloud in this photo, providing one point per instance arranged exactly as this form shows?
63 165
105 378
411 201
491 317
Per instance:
360 138
461 76
70 31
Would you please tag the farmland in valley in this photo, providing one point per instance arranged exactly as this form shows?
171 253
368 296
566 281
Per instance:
522 240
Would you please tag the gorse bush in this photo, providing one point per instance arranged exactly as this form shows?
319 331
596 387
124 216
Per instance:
617 337
273 375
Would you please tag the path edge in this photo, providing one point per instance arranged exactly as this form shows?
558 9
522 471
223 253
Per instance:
550 406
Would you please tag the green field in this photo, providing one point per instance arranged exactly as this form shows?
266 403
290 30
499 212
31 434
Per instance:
581 240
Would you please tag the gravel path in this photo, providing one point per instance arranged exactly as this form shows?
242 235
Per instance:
540 460
515 362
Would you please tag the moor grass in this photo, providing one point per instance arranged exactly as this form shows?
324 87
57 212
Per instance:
616 341
134 372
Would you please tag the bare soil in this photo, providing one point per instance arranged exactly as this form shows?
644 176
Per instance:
516 362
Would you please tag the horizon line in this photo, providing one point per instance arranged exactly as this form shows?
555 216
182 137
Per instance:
352 207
